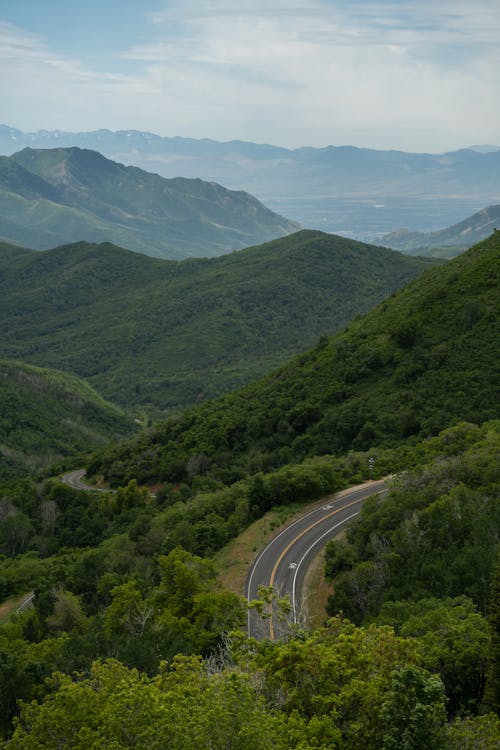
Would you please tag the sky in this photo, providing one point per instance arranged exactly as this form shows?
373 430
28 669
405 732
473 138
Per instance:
420 75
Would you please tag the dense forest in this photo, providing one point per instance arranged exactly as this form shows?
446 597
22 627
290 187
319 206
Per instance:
116 632
424 359
47 417
156 334
411 655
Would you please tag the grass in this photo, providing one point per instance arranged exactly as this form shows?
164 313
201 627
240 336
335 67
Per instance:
234 560
9 606
319 589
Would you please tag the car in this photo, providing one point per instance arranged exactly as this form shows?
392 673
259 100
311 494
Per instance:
292 566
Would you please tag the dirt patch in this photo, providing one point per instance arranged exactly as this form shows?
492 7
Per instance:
9 606
318 590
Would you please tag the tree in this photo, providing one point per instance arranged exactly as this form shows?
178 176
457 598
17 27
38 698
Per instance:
16 531
336 677
452 640
184 707
259 497
130 496
474 733
48 512
68 615
214 613
128 612
414 714
183 575
492 689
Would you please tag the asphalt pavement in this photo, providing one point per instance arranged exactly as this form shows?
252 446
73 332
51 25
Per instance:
74 479
284 562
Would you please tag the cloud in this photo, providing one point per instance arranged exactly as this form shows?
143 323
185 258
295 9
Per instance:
321 71
414 75
20 48
38 85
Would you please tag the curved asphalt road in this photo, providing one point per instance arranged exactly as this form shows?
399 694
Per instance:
74 479
283 563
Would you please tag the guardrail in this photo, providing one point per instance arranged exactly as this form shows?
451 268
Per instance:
26 602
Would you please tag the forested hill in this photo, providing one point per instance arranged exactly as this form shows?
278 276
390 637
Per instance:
56 196
423 359
450 241
46 416
163 334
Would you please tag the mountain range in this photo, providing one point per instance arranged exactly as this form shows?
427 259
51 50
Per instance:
160 334
424 359
450 241
113 626
357 192
56 196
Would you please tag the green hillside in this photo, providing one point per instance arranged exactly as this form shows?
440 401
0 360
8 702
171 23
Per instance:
446 243
46 415
55 196
119 578
422 360
150 653
126 595
162 334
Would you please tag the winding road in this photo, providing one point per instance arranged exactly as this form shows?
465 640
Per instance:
284 562
74 479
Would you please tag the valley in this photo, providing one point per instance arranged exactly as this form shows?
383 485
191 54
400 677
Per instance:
372 217
47 416
156 335
355 192
449 242
250 385
422 360
249 375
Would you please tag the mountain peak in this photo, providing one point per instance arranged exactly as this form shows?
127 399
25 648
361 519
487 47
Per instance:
64 165
98 199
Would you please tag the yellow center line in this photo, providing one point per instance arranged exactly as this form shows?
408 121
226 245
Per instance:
295 539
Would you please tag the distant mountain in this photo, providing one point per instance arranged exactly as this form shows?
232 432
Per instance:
335 168
423 360
46 416
450 241
164 333
56 196
485 148
358 192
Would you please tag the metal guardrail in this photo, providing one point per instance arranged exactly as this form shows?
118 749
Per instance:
26 602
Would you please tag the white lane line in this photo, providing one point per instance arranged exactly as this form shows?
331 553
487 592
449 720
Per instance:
316 541
268 545
344 495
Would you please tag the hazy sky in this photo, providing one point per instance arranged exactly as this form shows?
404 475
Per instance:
418 76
